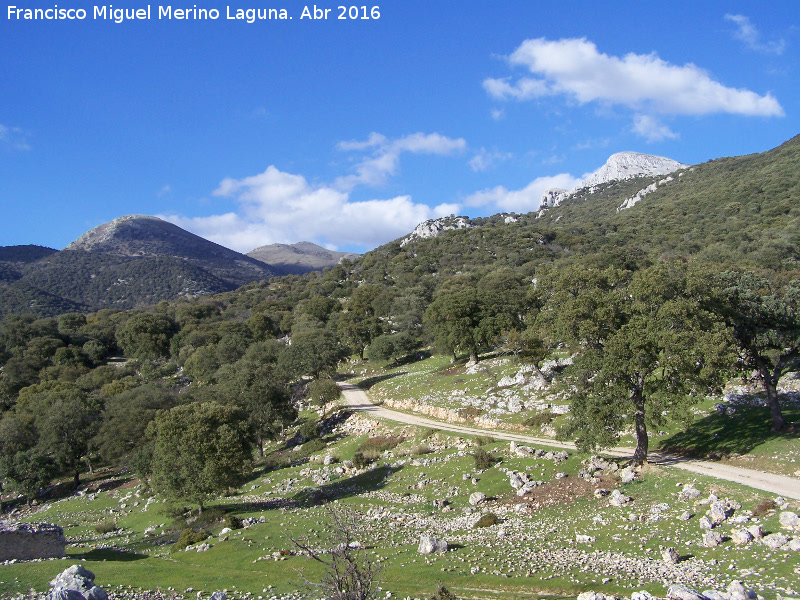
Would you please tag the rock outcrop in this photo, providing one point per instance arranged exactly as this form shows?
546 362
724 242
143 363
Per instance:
433 227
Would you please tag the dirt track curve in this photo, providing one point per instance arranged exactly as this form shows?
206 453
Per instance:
782 485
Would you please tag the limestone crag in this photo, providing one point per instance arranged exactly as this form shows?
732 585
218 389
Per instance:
433 227
619 166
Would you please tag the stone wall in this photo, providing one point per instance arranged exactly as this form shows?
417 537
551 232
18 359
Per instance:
26 541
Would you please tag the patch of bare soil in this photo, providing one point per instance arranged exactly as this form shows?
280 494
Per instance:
560 491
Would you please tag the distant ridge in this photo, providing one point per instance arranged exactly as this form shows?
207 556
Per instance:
299 258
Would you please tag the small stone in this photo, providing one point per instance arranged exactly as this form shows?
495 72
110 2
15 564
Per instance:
431 545
712 539
741 537
670 556
477 498
789 520
680 592
775 541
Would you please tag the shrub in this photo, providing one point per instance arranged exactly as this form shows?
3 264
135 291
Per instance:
233 522
487 520
443 594
469 412
309 429
315 445
106 527
483 459
541 418
380 443
421 449
484 440
360 461
277 460
763 507
189 537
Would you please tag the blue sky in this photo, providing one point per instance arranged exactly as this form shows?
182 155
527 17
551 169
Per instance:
349 133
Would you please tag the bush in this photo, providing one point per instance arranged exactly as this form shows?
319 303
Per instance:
483 459
443 594
541 418
469 412
484 440
106 527
487 520
380 443
189 537
764 507
315 445
309 429
360 461
233 522
421 449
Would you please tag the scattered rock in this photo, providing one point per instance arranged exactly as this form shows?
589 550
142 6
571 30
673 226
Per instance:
477 498
740 537
680 592
584 539
76 583
431 545
775 541
712 539
789 520
689 492
617 498
670 556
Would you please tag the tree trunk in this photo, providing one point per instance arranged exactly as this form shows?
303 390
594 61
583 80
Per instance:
770 382
77 477
640 454
778 422
260 447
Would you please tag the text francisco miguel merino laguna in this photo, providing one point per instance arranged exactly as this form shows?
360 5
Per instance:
118 15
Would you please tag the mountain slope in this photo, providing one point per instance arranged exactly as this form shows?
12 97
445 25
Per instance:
129 262
619 167
298 258
140 235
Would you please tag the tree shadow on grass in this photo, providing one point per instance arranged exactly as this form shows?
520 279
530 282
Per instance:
368 481
371 381
108 554
718 435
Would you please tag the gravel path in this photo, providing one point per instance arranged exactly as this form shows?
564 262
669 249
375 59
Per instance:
781 485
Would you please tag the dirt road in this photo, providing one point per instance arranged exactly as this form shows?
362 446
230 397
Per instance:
789 487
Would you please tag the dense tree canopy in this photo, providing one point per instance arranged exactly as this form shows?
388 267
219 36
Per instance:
645 350
200 450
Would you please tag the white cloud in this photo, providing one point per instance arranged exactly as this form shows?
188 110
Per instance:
525 200
652 129
642 82
385 158
14 138
747 33
486 158
280 207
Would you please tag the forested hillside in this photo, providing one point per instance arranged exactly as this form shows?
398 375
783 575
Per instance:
658 303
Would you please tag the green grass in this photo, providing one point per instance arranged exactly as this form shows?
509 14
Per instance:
511 559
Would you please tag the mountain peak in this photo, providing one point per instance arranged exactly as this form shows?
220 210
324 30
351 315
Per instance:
298 258
622 165
626 165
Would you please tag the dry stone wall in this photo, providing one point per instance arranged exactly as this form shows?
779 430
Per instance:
26 541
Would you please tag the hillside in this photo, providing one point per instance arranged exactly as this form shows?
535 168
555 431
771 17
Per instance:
129 262
300 258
